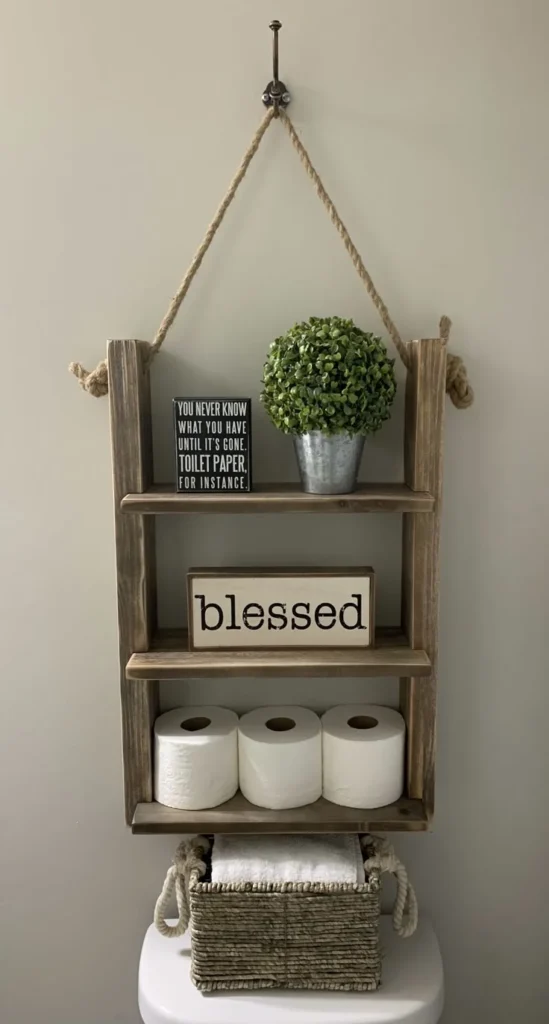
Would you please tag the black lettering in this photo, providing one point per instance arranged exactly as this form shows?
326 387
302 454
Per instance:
301 615
356 608
320 614
247 614
232 601
204 608
277 615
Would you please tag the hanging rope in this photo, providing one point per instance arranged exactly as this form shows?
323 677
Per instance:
96 381
457 383
210 233
347 241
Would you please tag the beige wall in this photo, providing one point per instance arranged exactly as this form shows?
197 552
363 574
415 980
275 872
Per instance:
122 121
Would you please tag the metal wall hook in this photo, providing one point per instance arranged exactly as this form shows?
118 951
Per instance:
276 94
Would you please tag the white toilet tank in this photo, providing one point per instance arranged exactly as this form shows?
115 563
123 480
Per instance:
412 990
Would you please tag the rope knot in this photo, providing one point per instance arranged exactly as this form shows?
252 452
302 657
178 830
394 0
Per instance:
389 861
188 855
457 382
178 865
95 382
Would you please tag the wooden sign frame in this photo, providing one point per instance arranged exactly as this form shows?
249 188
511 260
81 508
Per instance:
221 452
275 573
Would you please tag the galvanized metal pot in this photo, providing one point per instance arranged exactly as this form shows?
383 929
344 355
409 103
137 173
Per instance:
328 463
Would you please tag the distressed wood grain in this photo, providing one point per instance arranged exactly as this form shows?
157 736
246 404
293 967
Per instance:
391 657
129 396
163 500
423 461
238 815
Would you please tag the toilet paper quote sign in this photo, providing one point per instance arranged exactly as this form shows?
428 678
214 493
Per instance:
213 444
268 608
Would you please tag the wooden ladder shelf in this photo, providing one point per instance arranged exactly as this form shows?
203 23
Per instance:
149 655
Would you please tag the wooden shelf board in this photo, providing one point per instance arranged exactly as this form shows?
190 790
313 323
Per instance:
169 658
162 499
238 815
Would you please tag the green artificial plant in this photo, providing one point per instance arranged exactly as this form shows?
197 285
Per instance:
326 374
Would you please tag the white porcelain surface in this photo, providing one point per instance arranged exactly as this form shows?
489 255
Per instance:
412 990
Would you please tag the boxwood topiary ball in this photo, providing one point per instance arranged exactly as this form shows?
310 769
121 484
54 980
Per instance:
326 374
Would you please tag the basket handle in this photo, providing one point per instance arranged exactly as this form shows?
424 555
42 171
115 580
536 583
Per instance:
382 860
188 858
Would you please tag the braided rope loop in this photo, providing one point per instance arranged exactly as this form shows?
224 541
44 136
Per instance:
188 858
385 860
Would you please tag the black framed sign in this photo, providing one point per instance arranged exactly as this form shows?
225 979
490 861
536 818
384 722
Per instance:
213 444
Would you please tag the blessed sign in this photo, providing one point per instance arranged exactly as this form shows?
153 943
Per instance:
213 444
263 608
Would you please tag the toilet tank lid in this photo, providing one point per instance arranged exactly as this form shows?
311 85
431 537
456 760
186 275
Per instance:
411 993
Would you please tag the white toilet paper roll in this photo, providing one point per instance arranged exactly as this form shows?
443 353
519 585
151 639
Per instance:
196 757
363 755
280 757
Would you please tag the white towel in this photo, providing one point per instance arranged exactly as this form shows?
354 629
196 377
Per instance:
287 859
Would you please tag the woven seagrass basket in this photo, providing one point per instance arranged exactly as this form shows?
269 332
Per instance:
288 936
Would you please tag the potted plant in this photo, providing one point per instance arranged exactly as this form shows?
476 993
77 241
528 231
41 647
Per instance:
329 384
